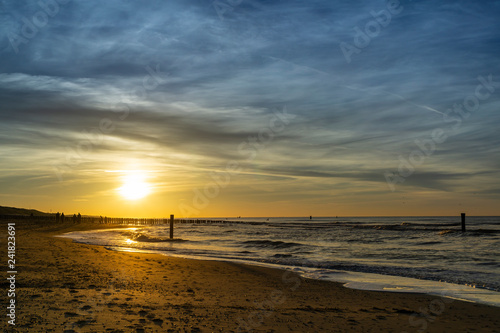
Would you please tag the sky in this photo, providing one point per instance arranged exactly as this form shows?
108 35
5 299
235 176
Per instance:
250 107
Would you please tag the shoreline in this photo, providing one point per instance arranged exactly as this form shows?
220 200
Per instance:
389 281
84 288
357 280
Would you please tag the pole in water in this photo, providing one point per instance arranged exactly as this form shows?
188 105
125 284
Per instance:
171 226
463 222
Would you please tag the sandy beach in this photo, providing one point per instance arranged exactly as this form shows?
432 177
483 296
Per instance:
63 286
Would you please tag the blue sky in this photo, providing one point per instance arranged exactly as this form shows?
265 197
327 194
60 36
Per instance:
177 89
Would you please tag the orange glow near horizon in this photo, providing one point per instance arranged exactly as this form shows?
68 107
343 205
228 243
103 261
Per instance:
142 190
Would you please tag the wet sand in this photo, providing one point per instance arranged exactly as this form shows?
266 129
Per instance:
63 286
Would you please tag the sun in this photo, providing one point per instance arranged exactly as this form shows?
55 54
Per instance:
134 187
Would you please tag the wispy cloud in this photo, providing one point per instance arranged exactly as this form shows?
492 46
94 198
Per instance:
222 79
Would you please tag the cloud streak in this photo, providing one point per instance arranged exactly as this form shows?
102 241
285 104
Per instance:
221 81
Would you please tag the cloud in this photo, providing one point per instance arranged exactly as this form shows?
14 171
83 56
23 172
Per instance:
220 80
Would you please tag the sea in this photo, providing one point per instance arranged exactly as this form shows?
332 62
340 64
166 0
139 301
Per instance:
401 254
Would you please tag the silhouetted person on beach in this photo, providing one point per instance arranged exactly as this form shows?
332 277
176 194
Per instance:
62 217
58 216
79 218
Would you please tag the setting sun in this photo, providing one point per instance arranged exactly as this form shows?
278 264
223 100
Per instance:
134 187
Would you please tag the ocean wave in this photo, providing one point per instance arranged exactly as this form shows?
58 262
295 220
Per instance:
282 255
270 243
431 274
428 243
140 237
496 264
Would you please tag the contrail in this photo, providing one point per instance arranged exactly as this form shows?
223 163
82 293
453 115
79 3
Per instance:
370 91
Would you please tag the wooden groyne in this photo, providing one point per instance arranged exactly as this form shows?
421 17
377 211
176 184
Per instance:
112 220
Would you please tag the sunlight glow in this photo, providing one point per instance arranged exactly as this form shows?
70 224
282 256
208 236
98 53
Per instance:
134 187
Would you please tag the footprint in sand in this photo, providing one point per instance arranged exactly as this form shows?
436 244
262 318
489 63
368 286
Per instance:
86 308
158 322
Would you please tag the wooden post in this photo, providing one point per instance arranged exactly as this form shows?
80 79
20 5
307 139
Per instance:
463 222
171 226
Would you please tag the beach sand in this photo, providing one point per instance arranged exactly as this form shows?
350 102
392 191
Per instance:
63 286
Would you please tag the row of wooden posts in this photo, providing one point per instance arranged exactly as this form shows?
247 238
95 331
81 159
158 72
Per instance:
60 218
114 220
